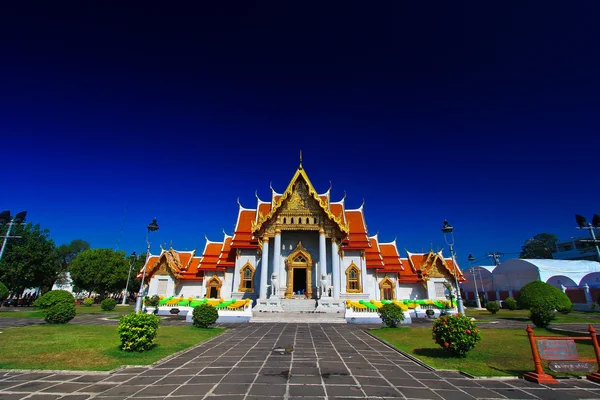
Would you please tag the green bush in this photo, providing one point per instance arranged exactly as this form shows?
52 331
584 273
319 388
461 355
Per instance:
541 315
565 309
456 334
88 302
137 331
108 304
54 297
60 313
510 303
537 293
3 293
391 315
492 307
152 301
204 315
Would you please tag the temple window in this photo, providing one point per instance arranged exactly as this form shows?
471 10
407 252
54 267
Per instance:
292 220
247 278
307 221
284 220
300 259
353 279
386 288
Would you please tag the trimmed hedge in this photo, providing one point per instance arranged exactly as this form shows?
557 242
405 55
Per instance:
537 293
108 304
204 315
3 293
391 315
152 301
88 302
510 303
137 331
492 307
60 313
54 297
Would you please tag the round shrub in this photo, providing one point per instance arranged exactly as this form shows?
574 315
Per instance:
204 315
60 313
88 302
565 309
539 293
510 303
54 297
108 304
456 334
3 293
541 315
137 331
391 315
492 307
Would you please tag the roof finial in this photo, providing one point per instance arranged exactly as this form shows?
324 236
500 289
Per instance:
300 167
256 194
343 198
171 246
329 186
206 237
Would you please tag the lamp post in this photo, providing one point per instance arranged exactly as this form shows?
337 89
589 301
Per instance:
595 224
152 227
132 259
447 229
471 259
5 218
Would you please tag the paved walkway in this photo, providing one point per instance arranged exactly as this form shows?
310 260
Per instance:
317 361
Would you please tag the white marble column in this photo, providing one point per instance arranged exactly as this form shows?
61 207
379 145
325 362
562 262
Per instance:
277 257
264 268
322 255
588 295
335 269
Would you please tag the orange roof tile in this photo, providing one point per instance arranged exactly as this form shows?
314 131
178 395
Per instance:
210 257
358 231
373 257
391 258
264 208
242 237
227 256
336 209
149 264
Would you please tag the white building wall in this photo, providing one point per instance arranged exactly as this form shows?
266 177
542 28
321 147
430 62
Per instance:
190 289
411 291
153 285
227 283
349 258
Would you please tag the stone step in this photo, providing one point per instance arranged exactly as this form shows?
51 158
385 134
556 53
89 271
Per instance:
299 305
299 318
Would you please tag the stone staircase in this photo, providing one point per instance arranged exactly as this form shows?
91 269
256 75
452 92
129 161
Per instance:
299 305
297 318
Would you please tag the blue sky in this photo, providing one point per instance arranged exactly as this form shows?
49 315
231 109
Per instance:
484 115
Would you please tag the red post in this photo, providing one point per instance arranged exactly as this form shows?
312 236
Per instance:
539 376
594 376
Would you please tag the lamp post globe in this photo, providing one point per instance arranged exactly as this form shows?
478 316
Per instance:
152 227
447 230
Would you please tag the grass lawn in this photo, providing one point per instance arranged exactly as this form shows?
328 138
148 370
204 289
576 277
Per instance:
32 312
88 347
501 352
574 317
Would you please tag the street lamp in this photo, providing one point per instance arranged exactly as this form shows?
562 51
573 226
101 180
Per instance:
5 218
595 224
471 259
152 227
132 259
447 230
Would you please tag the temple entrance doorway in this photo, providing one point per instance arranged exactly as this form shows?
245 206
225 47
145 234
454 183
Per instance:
299 280
299 268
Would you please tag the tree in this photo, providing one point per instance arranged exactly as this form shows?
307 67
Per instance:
540 246
29 261
67 253
100 271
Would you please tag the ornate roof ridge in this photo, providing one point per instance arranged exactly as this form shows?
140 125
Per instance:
288 191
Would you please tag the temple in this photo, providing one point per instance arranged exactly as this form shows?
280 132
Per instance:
300 245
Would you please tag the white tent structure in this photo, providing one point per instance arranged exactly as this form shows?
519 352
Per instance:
480 276
514 274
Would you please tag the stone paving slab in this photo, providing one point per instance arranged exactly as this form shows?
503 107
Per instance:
328 361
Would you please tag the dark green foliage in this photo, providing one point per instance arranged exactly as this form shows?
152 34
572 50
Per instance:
54 297
60 313
88 302
510 303
204 315
99 270
539 293
565 309
108 304
541 315
137 331
152 301
456 334
29 261
540 246
492 307
391 315
3 293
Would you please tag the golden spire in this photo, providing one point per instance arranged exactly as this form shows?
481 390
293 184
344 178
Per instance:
300 167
